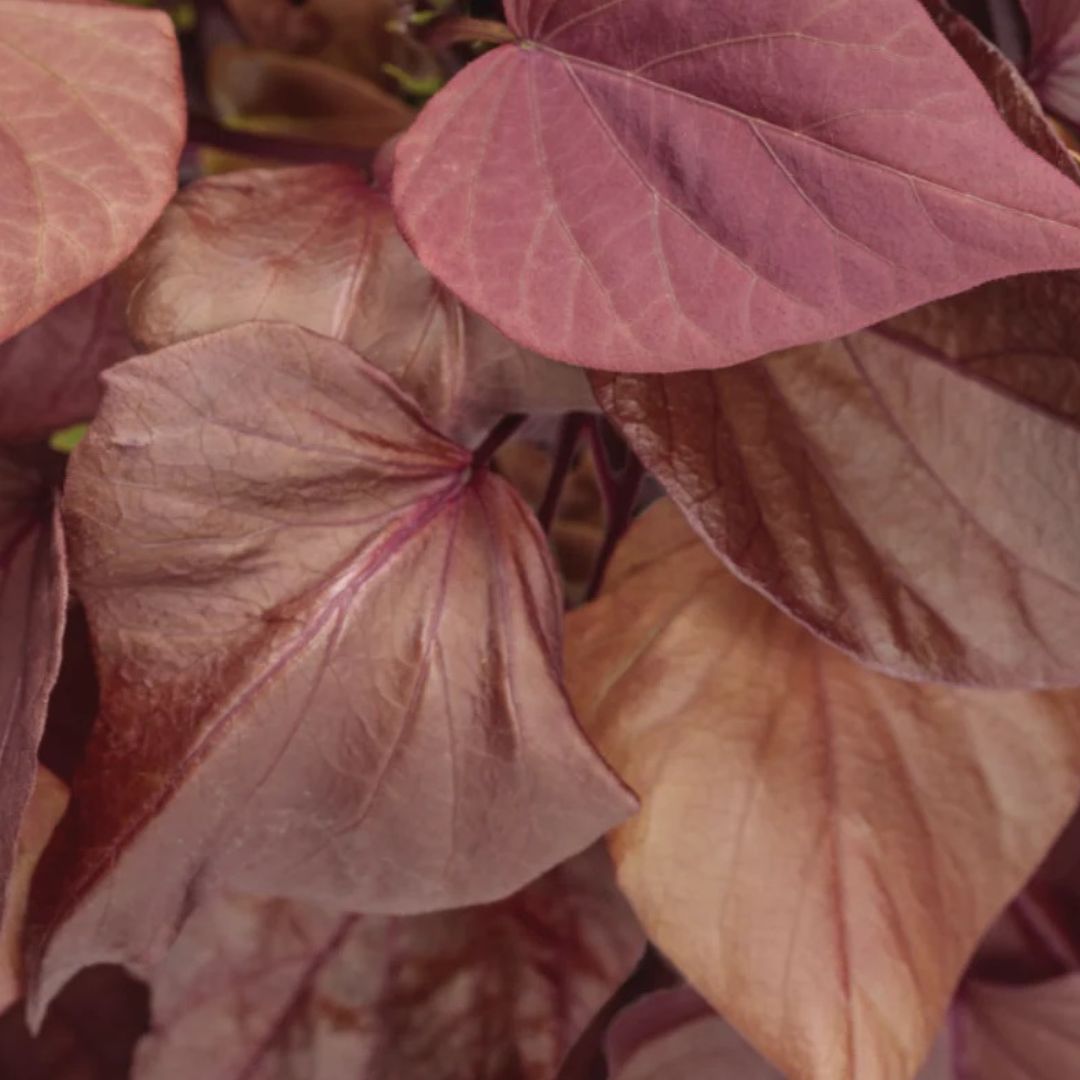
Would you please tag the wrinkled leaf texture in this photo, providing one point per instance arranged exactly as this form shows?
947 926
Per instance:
50 372
33 594
328 653
93 112
906 491
259 989
687 185
316 247
819 847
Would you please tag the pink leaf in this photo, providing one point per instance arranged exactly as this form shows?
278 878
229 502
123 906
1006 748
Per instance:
1053 66
33 594
328 652
638 186
316 247
93 114
50 373
257 988
889 489
819 848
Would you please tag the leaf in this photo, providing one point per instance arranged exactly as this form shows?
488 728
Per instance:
89 1034
889 489
316 247
267 988
1053 65
93 112
48 800
50 373
279 94
656 187
1019 1033
328 652
33 594
819 848
675 1035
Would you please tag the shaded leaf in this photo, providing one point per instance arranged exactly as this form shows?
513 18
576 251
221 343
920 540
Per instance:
819 848
93 114
905 491
271 989
328 655
614 240
316 247
33 594
89 1033
1053 63
47 802
50 373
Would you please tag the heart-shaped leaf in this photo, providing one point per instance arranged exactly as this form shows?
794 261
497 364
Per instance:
892 489
33 595
93 121
819 847
50 374
316 247
642 186
328 651
270 988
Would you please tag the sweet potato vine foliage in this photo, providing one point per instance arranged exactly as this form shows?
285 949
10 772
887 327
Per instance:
539 542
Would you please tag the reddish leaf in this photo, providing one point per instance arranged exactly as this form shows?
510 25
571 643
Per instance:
890 489
328 654
819 847
47 802
613 239
93 124
316 247
33 593
267 988
50 373
1053 66
1019 1032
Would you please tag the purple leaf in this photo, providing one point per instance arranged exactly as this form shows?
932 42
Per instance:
1053 66
328 652
638 186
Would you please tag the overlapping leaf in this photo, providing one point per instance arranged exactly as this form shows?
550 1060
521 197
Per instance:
328 654
33 593
93 122
268 988
316 247
637 186
819 847
907 491
1053 63
50 374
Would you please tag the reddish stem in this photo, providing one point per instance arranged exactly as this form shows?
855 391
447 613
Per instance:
620 492
569 435
495 438
459 28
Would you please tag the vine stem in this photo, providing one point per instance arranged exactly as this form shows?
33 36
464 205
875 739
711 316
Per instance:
495 438
205 131
620 492
459 28
569 436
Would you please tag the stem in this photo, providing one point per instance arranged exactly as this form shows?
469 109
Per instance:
569 435
461 28
495 438
620 496
205 131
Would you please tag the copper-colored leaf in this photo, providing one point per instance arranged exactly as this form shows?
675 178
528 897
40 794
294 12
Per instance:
911 492
93 122
328 654
820 847
48 801
267 988
33 594
50 373
316 247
